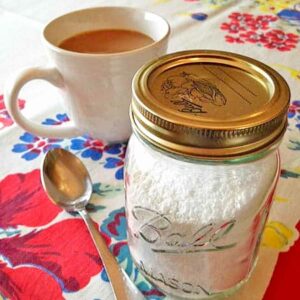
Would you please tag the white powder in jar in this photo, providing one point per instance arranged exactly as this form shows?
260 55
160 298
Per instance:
197 193
179 202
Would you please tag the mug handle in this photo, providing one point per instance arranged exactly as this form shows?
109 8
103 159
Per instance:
11 93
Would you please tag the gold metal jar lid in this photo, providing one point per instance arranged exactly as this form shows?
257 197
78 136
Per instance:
209 104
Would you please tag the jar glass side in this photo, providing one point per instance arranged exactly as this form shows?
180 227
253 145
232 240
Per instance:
194 228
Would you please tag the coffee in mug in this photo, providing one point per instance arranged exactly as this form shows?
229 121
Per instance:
106 41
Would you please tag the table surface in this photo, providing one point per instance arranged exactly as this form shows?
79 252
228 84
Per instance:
46 253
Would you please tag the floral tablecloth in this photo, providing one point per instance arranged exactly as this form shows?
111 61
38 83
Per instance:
46 253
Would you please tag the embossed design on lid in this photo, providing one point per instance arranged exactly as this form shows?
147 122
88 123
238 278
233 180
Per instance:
188 91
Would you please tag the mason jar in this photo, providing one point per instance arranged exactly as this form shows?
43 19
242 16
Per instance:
201 169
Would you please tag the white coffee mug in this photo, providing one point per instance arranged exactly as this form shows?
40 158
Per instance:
96 87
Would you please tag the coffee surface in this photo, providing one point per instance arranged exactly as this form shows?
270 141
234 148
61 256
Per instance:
106 41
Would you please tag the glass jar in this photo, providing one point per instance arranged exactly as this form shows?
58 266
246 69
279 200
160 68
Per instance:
198 191
193 227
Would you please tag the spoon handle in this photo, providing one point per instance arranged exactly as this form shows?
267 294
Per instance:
111 266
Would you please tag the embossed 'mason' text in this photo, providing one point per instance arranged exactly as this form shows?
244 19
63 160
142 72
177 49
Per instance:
173 283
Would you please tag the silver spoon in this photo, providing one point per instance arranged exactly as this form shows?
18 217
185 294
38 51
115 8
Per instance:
68 184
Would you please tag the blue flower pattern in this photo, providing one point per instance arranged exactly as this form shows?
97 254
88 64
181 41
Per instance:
294 120
60 118
294 112
87 147
112 162
32 146
117 162
92 148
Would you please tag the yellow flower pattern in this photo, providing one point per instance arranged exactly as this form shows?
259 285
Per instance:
275 6
280 199
293 72
158 2
276 235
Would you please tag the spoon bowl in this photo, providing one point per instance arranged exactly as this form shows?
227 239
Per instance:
66 180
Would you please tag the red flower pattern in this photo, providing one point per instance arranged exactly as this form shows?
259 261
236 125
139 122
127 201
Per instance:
280 40
5 119
245 27
27 283
73 266
41 254
24 195
258 25
231 39
232 27
253 37
240 18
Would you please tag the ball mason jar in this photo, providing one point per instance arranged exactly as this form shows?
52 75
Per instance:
201 169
